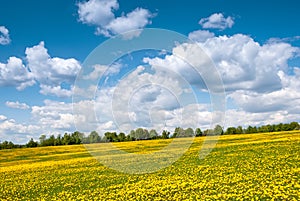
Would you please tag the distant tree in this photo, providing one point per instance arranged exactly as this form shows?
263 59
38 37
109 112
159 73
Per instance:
141 134
121 137
66 140
294 126
263 129
198 132
77 137
189 132
132 135
129 138
153 134
7 145
93 137
111 136
249 129
58 140
42 139
278 127
32 143
254 129
179 132
208 132
165 134
51 141
231 130
218 130
239 130
176 132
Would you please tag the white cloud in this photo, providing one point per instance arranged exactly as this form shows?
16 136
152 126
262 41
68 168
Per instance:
286 100
287 39
236 118
54 116
216 21
200 35
136 19
100 70
2 117
18 133
17 105
255 76
97 12
4 36
50 72
245 64
150 100
14 73
254 102
55 90
101 14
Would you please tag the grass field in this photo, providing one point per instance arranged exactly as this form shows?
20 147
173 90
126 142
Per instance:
240 167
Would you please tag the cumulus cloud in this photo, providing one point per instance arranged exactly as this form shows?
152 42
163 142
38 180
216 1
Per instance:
18 133
236 117
286 100
256 76
51 72
100 13
14 73
55 90
4 36
200 35
2 117
54 115
50 118
17 105
244 63
156 99
216 21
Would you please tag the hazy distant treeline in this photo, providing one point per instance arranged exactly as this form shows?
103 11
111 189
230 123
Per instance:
143 134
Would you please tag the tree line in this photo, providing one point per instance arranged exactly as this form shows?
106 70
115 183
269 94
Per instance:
143 134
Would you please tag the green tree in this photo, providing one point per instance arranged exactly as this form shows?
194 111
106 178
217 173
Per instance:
189 132
179 132
239 130
93 137
42 139
58 140
165 134
198 132
7 145
231 130
51 141
32 143
153 134
122 137
132 135
218 130
111 136
77 137
66 140
294 126
208 132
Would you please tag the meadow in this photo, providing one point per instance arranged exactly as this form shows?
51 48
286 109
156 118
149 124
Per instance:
263 166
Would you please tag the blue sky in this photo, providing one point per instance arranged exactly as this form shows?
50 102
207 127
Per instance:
43 44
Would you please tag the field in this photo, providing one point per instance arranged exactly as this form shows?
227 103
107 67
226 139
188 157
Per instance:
240 167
